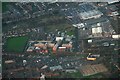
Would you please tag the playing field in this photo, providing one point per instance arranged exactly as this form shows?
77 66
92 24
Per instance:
16 44
4 6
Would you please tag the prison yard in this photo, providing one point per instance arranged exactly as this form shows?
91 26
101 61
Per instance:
16 44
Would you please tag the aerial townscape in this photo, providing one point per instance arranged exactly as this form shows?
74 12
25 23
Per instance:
57 40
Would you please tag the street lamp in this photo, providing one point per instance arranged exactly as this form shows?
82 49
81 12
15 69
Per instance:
24 64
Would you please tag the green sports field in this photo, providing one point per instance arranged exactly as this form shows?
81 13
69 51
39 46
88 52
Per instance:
16 44
4 6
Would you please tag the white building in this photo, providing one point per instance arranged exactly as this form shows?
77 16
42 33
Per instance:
116 36
53 68
59 38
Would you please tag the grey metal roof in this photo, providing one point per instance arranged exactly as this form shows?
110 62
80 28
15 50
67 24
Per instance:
94 21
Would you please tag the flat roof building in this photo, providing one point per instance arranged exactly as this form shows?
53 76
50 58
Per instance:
88 11
53 68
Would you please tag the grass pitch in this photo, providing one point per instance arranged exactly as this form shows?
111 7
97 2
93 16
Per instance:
16 44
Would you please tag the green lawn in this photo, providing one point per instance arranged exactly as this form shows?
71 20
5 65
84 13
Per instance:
4 6
16 44
75 75
72 75
98 75
70 33
61 27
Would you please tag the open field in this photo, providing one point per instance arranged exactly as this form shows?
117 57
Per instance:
4 6
16 44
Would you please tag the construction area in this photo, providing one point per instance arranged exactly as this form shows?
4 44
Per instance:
88 70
